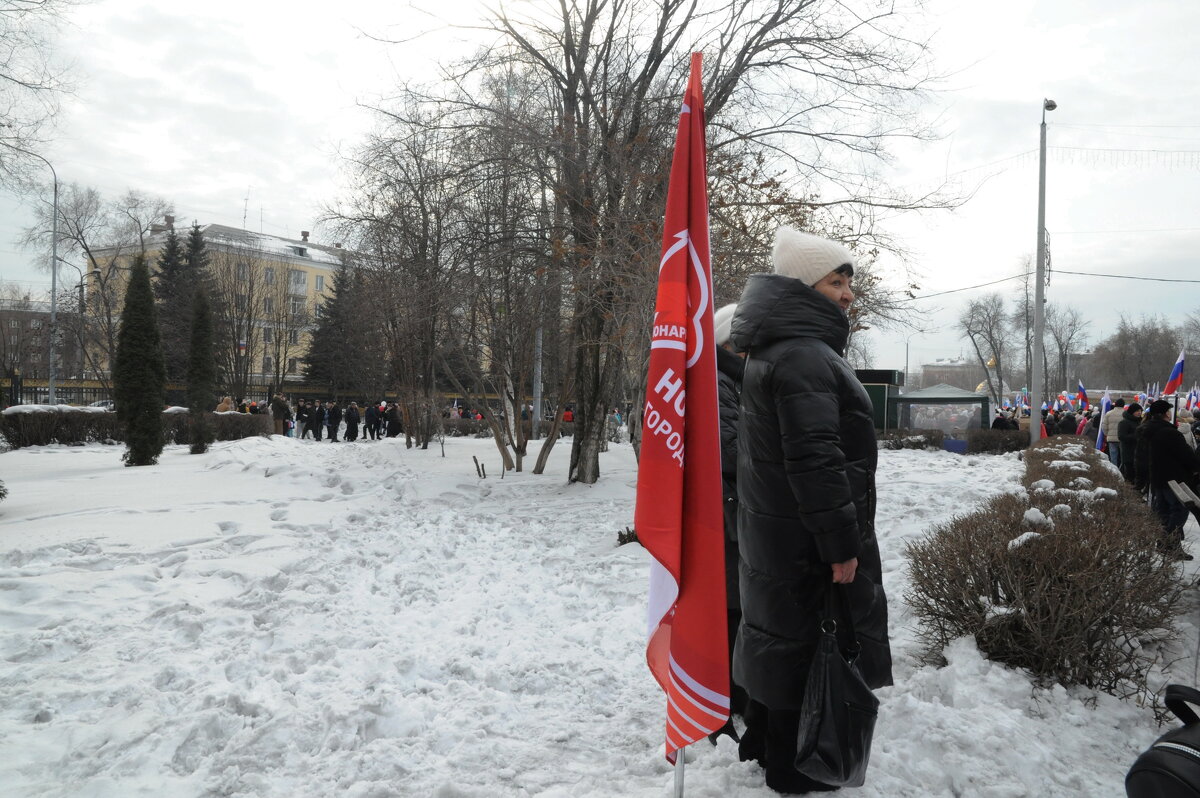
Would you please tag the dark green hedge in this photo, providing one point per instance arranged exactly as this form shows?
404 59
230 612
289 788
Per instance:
996 441
67 425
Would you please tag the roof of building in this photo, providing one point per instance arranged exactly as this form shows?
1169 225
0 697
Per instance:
940 392
285 248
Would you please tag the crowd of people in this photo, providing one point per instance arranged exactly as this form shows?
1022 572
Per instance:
1151 446
316 419
1152 450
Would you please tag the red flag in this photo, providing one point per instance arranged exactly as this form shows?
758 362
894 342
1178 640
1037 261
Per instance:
678 514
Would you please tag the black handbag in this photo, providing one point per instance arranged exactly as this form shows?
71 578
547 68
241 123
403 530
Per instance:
1170 768
837 716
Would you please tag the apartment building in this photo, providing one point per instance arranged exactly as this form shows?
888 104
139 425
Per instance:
269 289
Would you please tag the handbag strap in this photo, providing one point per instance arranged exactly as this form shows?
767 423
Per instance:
839 594
1178 697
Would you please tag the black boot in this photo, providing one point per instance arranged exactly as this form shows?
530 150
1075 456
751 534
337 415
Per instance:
728 730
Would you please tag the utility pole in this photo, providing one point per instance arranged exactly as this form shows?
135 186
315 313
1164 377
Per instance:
1038 388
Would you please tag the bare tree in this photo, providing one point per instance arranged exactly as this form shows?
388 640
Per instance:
237 283
97 238
1020 321
984 323
1068 330
793 89
1138 353
22 345
31 82
285 318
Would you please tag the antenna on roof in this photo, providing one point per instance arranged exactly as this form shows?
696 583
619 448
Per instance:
246 207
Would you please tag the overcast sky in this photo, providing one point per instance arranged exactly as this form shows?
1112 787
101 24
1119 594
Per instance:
209 103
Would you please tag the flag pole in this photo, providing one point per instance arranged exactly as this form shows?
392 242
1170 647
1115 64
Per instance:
679 773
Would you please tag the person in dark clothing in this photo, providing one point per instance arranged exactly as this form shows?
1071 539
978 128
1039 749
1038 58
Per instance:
302 417
1131 417
316 419
729 386
1164 456
352 418
333 417
281 413
371 418
1000 421
394 427
806 494
1067 423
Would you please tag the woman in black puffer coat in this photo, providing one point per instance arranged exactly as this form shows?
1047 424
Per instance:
729 387
806 490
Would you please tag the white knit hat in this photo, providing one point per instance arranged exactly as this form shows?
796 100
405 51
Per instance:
722 321
807 257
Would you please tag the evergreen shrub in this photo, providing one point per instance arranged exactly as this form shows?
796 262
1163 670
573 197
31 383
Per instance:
138 374
1062 579
996 441
76 426
911 439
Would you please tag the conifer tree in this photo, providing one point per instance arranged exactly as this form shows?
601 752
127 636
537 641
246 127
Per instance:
336 356
173 294
139 377
201 374
195 255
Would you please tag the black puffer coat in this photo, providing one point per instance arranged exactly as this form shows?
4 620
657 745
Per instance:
806 490
1166 456
729 385
1127 440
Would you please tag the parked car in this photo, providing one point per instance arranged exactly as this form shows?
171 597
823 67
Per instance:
107 404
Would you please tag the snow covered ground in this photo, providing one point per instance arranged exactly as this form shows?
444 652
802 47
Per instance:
289 618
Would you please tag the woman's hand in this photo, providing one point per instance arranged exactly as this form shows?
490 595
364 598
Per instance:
843 572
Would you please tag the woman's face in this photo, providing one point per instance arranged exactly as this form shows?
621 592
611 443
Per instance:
836 287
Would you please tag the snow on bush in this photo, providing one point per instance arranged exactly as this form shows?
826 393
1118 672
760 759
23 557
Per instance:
1076 555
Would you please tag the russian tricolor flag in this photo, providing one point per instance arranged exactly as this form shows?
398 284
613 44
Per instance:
1083 400
1176 379
1106 404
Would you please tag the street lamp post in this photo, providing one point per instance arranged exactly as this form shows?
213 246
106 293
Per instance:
53 371
908 338
1039 295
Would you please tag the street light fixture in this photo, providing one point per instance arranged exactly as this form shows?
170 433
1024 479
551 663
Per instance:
1039 295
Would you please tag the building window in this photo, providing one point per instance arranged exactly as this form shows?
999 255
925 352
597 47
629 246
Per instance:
14 323
320 282
267 364
268 305
268 335
296 305
240 302
35 324
292 365
269 275
293 336
243 271
298 281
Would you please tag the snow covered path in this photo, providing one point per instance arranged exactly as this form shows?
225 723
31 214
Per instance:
287 618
